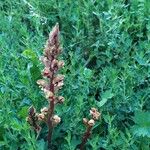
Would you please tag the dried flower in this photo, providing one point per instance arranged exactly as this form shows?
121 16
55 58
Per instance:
33 118
32 111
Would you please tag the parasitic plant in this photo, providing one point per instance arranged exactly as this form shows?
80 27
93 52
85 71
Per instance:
50 84
89 124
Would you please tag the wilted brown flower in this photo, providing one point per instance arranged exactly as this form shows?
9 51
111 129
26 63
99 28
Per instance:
33 118
32 111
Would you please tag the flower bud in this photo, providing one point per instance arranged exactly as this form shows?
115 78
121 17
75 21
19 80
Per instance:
85 121
55 120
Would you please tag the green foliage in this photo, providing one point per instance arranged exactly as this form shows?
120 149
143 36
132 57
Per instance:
142 124
106 51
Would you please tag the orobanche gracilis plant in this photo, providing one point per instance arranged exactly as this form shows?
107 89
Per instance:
89 123
50 84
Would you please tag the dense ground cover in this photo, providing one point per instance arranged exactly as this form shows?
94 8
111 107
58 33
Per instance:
107 65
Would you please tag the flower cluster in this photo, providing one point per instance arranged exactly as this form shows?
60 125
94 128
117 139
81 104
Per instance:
50 83
95 116
89 124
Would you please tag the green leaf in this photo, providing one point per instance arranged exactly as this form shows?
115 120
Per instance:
16 125
105 96
2 143
29 54
35 72
41 145
87 72
23 112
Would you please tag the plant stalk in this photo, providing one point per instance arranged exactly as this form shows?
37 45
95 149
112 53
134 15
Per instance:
50 113
85 137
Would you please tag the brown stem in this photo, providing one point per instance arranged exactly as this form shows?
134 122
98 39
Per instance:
50 113
85 137
49 122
